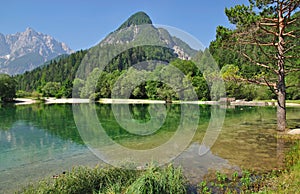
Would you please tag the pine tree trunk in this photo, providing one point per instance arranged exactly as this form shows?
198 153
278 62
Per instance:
281 94
281 111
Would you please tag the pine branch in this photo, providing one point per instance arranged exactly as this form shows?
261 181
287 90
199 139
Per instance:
291 70
268 31
290 86
270 19
288 49
290 34
271 86
253 81
268 24
258 64
292 21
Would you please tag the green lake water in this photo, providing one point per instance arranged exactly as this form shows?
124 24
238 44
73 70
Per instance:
38 141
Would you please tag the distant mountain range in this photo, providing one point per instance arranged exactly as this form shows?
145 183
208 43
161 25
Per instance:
27 50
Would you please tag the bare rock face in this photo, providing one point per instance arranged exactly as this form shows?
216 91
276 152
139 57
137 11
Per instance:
27 50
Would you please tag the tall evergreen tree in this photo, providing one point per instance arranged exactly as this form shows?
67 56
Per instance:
266 35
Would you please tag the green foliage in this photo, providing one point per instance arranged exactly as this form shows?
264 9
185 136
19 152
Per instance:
7 88
51 89
292 157
241 15
276 181
230 72
286 181
139 54
154 180
138 18
244 182
90 84
114 180
293 85
251 48
78 84
85 180
22 94
36 95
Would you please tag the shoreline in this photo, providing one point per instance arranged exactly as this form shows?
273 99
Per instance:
26 101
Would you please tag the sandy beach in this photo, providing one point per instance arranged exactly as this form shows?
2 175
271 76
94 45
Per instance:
66 101
24 101
130 101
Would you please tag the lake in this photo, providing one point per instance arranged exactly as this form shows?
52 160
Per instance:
38 141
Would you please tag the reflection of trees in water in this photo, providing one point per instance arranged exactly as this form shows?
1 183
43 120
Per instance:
247 136
170 118
55 119
7 116
140 113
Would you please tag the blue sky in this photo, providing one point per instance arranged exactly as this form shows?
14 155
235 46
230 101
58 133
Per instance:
81 24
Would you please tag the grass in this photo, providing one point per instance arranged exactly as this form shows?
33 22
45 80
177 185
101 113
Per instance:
288 181
293 101
287 101
113 180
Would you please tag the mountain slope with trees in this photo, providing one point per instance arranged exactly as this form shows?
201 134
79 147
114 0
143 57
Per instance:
137 28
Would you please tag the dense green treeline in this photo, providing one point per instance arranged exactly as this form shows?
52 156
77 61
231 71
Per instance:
7 88
144 65
159 81
61 73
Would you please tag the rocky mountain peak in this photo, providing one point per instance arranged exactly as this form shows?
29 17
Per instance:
26 50
138 28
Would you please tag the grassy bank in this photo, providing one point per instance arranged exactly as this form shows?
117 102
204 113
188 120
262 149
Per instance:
113 180
289 180
293 101
171 180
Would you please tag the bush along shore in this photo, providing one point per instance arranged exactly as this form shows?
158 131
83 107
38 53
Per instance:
170 179
113 180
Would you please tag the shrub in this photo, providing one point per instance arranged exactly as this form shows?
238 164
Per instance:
154 180
113 180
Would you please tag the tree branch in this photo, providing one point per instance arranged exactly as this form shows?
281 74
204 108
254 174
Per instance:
258 43
252 81
259 64
269 31
268 24
288 49
289 34
291 70
270 19
271 86
289 86
292 21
